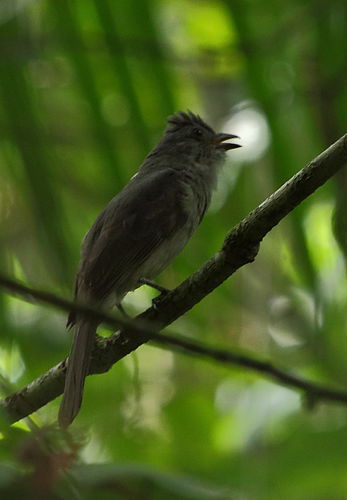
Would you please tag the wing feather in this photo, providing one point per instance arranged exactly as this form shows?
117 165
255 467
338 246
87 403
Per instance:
143 215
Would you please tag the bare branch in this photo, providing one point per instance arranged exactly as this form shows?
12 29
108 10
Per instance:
240 247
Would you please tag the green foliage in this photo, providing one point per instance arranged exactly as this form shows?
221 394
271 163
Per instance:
85 89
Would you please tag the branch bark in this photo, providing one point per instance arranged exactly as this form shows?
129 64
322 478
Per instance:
240 247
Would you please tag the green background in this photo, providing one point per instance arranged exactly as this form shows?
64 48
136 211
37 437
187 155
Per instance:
85 90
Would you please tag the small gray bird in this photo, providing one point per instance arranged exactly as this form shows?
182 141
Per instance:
141 230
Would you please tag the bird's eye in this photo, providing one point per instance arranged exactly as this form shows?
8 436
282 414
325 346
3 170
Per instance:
197 132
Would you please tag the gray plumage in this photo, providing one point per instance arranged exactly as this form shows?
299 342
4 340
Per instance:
141 230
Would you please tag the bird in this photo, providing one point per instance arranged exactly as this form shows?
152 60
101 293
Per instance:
140 231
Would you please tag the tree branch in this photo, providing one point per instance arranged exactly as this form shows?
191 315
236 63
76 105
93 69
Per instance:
239 248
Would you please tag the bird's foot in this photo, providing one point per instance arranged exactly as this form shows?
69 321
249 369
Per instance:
163 291
156 301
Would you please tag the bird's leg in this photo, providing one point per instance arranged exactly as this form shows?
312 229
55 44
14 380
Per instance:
161 289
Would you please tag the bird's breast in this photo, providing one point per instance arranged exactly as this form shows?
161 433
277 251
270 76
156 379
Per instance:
194 205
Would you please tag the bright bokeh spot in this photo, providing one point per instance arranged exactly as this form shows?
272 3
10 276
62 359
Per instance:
252 128
324 250
11 363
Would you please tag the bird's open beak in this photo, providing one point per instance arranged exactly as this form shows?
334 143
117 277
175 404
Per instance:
220 144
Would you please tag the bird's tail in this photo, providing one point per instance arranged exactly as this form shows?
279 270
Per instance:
77 370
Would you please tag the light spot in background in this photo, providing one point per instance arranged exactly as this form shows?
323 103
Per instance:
284 337
324 251
11 363
22 314
249 410
250 124
10 8
226 181
23 424
94 452
143 410
184 26
138 299
284 317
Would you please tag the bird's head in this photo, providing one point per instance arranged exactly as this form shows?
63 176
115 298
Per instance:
189 135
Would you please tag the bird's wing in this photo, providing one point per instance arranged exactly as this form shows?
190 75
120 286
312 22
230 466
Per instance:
147 212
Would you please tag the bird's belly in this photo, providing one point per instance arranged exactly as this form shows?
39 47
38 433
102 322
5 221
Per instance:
161 257
164 254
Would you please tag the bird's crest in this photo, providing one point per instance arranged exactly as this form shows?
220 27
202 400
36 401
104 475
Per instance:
182 119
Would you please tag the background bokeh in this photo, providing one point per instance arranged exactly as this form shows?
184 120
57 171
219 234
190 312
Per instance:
85 89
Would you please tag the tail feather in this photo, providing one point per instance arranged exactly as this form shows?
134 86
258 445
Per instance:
77 370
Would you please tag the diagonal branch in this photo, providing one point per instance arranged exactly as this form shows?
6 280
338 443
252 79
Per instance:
239 248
